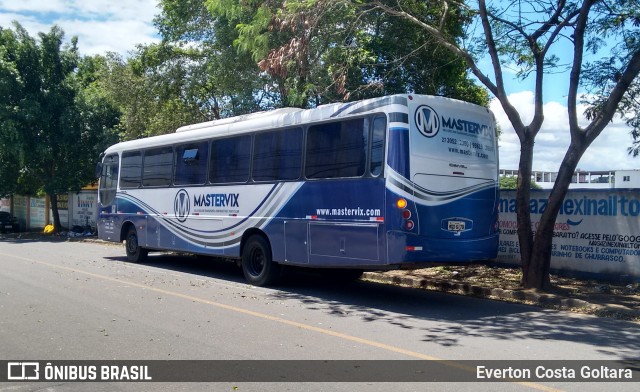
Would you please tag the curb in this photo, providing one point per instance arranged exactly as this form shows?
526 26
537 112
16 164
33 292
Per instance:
530 296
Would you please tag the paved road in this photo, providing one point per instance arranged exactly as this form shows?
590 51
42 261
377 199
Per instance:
81 301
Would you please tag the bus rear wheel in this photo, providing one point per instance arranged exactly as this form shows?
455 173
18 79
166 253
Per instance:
258 266
135 253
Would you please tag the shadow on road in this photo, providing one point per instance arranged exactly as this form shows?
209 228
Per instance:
460 317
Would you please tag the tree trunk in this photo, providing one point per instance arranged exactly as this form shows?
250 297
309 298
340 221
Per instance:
536 274
525 233
57 227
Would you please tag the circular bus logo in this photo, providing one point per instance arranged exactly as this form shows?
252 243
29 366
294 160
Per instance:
427 121
182 205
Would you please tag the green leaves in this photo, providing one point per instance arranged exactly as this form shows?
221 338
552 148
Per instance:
54 122
319 51
251 55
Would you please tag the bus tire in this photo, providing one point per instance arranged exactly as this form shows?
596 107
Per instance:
135 253
258 266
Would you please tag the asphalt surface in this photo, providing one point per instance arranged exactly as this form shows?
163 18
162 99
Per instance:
83 301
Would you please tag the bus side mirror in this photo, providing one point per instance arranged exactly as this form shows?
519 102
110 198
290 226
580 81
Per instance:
98 169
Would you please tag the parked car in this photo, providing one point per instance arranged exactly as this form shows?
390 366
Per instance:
8 222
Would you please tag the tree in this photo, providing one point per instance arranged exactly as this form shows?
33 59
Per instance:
511 183
9 136
222 81
193 75
152 99
603 64
325 51
55 120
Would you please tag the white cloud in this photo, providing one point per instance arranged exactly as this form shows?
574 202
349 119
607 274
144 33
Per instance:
608 151
99 37
38 6
100 25
31 23
99 9
128 9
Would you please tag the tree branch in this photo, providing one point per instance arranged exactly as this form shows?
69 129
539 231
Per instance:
551 22
445 12
576 69
608 110
499 90
438 36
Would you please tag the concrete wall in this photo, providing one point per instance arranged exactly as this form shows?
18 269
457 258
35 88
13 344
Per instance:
596 232
75 209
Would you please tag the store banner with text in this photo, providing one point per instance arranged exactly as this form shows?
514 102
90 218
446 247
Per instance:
596 231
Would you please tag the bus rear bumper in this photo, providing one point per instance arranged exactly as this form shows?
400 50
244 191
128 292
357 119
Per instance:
403 248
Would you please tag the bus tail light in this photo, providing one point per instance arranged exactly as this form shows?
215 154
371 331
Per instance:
409 225
402 204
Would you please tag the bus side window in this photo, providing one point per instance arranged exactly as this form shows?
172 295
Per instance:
337 149
130 172
377 145
278 155
158 167
230 160
191 164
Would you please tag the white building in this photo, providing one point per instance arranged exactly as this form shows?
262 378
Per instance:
627 179
596 179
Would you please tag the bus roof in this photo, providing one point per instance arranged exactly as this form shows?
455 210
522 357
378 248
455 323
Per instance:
237 119
278 118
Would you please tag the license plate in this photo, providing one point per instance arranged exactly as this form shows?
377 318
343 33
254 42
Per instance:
456 225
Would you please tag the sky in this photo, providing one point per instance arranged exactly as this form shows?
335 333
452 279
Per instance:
100 25
118 26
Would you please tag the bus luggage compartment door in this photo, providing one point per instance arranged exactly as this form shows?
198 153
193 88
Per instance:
296 242
344 243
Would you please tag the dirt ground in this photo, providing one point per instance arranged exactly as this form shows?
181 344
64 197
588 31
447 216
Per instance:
602 298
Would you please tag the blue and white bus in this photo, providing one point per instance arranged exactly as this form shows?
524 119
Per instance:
384 183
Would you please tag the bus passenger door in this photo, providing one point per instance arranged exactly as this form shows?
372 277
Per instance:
296 242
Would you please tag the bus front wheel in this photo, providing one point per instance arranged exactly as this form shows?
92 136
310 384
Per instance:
135 253
257 263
